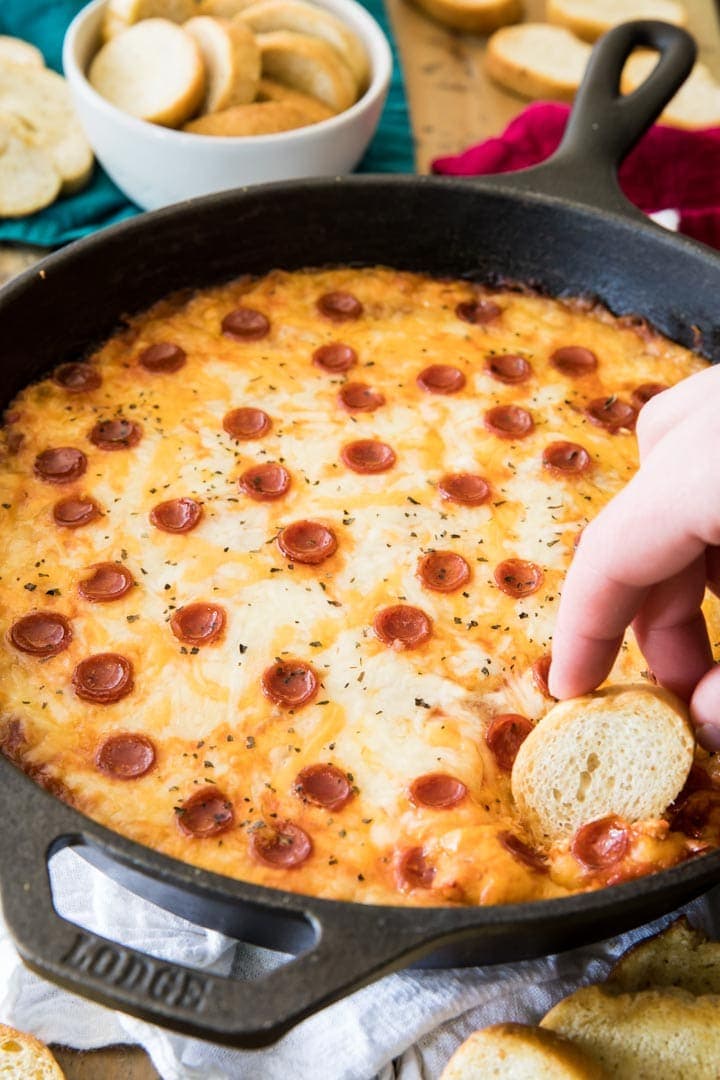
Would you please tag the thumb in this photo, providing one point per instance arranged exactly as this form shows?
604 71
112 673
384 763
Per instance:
705 709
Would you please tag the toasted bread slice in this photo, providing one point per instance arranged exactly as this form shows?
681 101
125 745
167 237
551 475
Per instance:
473 16
652 1035
23 1057
269 90
537 61
232 61
591 18
153 71
624 750
16 51
28 179
697 102
309 65
225 9
122 14
267 15
257 118
678 956
520 1052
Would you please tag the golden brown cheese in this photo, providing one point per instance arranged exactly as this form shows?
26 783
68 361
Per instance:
381 786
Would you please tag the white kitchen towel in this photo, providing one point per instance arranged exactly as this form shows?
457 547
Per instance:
406 1026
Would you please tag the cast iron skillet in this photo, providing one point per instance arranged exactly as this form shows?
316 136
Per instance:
564 226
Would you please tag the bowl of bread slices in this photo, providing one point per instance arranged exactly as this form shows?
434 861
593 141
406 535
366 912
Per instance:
187 97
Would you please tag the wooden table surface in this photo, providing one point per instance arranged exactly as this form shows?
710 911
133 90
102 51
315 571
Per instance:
452 105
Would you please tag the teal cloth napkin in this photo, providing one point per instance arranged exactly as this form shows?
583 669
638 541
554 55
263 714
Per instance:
101 203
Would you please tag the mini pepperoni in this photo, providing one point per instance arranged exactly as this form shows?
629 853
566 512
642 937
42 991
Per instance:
413 871
523 852
464 488
574 360
441 379
505 736
265 482
601 843
245 324
290 682
77 377
125 756
443 571
541 673
247 423
477 311
340 306
509 368
109 581
612 414
359 397
282 846
163 358
43 633
518 578
437 791
116 434
307 542
335 357
642 394
60 465
368 456
566 458
207 812
324 785
72 513
402 626
696 811
509 421
176 515
198 624
103 678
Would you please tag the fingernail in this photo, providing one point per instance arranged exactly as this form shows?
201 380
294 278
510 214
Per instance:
708 735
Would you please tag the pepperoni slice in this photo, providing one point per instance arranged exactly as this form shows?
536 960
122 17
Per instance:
437 791
43 633
265 482
125 756
574 360
402 626
72 513
176 515
441 379
282 847
103 678
77 377
163 358
642 394
541 673
206 813
464 488
509 368
368 456
695 813
116 434
324 785
477 311
523 852
413 871
247 423
198 624
60 465
359 397
340 306
509 421
612 414
109 581
601 843
290 682
505 736
335 357
518 578
307 542
443 571
566 458
245 324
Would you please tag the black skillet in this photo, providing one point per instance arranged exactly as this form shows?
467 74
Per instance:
565 227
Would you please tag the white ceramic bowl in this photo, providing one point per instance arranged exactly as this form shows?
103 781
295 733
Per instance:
156 166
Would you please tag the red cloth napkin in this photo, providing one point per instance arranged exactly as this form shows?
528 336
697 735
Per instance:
668 169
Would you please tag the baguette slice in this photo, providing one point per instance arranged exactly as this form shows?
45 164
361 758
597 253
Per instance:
269 90
520 1052
231 58
23 1057
679 956
308 65
28 179
473 16
224 9
257 118
697 102
537 61
589 19
153 71
624 750
120 15
16 51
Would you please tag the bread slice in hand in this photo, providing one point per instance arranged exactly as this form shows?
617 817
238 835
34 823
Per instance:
257 118
122 14
624 750
23 1057
537 61
520 1052
231 58
679 956
473 16
16 51
309 65
697 102
591 18
269 90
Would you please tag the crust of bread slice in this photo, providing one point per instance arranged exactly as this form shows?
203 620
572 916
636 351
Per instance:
231 58
589 19
520 1052
267 15
122 14
153 71
23 1057
679 956
473 16
257 118
697 102
624 750
16 51
535 60
307 64
269 90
